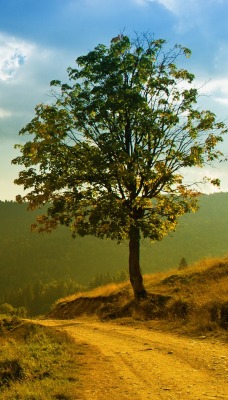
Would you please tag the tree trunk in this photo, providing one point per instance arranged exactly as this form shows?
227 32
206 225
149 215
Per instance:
134 265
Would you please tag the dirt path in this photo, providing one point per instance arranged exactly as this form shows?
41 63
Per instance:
128 362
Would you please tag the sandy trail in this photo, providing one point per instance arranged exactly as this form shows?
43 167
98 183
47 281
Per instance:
130 362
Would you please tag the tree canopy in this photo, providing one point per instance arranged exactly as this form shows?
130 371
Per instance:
109 155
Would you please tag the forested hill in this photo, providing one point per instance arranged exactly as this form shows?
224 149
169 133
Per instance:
27 257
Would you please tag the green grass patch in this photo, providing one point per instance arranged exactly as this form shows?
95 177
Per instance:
36 363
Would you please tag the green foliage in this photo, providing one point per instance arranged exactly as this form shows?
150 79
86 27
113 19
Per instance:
8 309
36 363
110 153
108 157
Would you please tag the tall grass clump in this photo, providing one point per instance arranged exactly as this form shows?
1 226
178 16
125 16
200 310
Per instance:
36 363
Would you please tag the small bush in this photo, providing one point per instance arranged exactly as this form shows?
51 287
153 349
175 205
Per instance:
7 309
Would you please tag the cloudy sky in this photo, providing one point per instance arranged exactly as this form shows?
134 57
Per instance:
40 39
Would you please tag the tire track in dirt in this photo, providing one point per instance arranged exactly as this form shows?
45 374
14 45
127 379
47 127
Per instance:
131 363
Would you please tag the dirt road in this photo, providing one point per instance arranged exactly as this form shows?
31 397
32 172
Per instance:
136 363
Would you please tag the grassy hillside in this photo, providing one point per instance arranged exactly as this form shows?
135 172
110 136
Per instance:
30 361
192 299
27 257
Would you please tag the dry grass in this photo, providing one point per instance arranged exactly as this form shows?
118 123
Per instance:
195 297
104 291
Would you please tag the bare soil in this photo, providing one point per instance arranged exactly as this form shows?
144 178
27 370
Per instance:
138 362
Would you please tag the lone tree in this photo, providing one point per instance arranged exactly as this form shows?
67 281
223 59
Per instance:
109 156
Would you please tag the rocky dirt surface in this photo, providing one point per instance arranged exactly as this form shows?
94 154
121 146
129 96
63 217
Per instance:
136 362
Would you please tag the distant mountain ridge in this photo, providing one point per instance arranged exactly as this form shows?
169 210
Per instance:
27 257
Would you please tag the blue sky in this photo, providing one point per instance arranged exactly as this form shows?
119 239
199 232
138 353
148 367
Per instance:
40 39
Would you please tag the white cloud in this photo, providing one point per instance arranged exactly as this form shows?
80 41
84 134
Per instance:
13 54
26 85
222 100
215 90
218 171
5 113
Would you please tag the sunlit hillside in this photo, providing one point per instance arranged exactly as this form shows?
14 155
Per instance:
193 298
